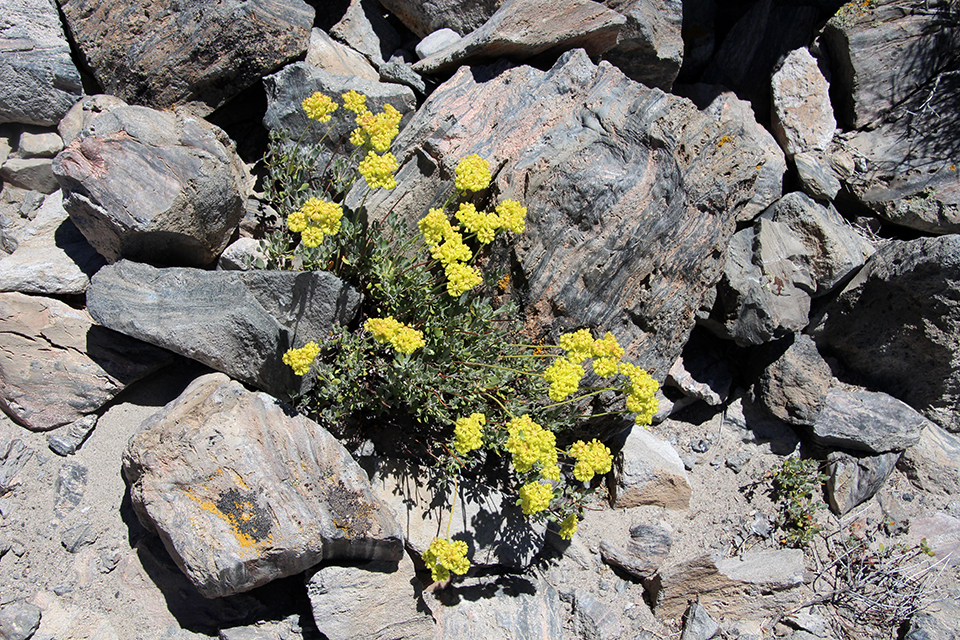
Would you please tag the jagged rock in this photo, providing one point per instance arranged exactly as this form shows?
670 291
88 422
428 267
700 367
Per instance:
238 322
697 624
39 145
755 425
68 440
649 471
794 387
937 621
19 620
816 180
503 608
84 112
942 533
241 255
643 554
867 421
153 186
243 492
802 114
525 28
364 29
369 601
735 582
488 520
13 456
52 256
57 365
161 55
30 173
702 372
933 464
338 59
611 172
461 16
895 324
593 619
69 487
650 49
855 479
436 42
38 80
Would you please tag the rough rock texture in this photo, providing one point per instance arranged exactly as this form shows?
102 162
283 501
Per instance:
35 174
83 113
238 322
338 59
649 471
794 386
593 618
650 49
627 218
363 28
38 78
153 186
648 547
867 421
526 28
52 256
933 464
19 620
158 53
423 18
57 365
369 601
242 492
436 42
802 114
897 323
854 479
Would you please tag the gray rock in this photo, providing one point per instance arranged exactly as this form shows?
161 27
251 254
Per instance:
13 456
816 180
369 601
246 633
942 533
242 255
559 25
38 78
153 186
436 42
79 535
199 58
802 114
702 372
69 487
895 325
648 547
794 387
855 479
649 471
400 72
460 16
69 439
938 621
57 365
650 49
83 113
39 145
52 256
363 28
30 173
867 421
593 619
933 464
738 460
504 608
698 625
331 56
238 322
242 492
19 621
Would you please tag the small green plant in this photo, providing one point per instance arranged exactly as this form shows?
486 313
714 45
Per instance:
434 355
797 485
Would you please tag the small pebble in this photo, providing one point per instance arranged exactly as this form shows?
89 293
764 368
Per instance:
700 446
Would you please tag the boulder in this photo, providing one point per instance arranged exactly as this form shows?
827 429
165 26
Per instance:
933 464
436 42
39 145
35 174
161 55
896 325
363 28
816 178
57 365
331 56
522 29
648 546
52 256
802 114
650 48
702 372
83 113
854 479
38 79
243 491
461 16
649 471
869 421
631 193
795 385
153 186
238 322
593 618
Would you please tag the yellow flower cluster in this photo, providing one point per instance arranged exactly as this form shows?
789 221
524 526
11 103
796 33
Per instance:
484 225
512 215
564 378
378 170
578 345
447 247
569 526
355 102
401 337
460 278
315 220
472 174
374 132
640 390
468 433
301 359
593 458
535 497
319 107
435 227
531 444
444 556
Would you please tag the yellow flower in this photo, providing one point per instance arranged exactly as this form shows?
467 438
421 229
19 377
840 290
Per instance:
606 356
485 225
531 444
452 251
319 107
564 378
376 131
297 221
323 214
591 459
460 278
301 359
535 497
355 102
569 526
311 236
401 337
443 556
472 174
578 345
512 215
435 227
640 391
378 170
468 433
